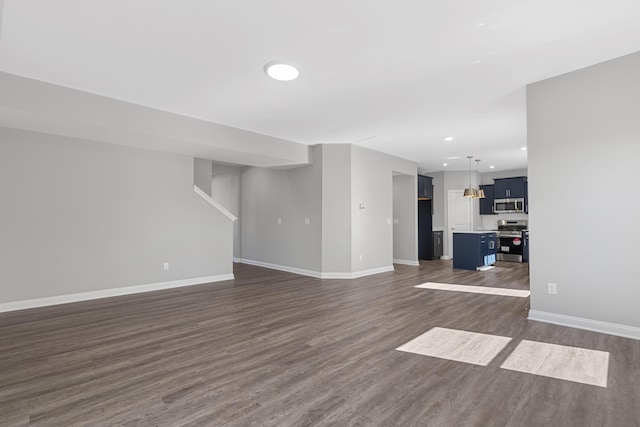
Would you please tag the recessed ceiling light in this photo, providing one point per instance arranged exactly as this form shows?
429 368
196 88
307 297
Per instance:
448 138
282 71
453 157
444 164
482 24
523 148
491 167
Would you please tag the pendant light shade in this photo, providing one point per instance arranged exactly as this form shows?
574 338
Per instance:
470 191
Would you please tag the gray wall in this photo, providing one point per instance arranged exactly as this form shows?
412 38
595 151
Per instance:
202 171
291 195
405 237
584 149
1 12
329 193
80 216
226 190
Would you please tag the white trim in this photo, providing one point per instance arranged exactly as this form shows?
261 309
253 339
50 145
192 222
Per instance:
281 268
318 274
236 260
369 272
445 257
214 203
106 293
406 262
587 324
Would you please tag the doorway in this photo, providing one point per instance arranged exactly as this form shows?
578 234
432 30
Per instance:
458 216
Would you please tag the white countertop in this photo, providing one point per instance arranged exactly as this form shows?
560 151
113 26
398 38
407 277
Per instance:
474 232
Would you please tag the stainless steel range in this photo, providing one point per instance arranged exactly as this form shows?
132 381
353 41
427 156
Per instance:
512 235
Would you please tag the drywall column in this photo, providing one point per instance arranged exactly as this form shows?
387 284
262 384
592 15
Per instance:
439 200
336 209
371 227
583 139
405 239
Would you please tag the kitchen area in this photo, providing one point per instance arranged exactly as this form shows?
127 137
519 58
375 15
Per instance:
479 228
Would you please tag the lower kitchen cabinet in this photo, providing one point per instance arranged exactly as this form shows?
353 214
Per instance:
474 250
437 238
525 248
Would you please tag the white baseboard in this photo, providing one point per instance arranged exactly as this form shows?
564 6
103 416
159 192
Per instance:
369 272
286 268
445 257
318 274
587 324
236 260
406 262
106 293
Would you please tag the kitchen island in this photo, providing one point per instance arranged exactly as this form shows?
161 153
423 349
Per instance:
474 250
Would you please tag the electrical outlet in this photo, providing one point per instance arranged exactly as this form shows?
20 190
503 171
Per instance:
552 288
165 266
279 220
307 221
388 221
361 257
362 206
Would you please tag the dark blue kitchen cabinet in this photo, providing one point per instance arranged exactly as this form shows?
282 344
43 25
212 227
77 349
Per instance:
425 229
474 250
510 188
486 204
425 187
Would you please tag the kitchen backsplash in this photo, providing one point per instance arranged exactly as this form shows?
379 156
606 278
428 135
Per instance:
490 222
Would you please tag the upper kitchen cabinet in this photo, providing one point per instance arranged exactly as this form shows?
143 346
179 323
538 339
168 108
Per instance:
425 187
486 204
510 188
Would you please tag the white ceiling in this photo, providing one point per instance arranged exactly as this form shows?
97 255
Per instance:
397 76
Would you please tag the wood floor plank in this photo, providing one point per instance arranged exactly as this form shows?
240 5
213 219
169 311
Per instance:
277 349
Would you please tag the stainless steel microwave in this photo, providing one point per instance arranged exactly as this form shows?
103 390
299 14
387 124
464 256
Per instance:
508 205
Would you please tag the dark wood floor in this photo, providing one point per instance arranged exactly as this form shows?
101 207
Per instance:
277 349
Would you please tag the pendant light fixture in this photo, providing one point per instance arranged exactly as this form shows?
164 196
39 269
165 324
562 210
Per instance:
470 191
480 190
